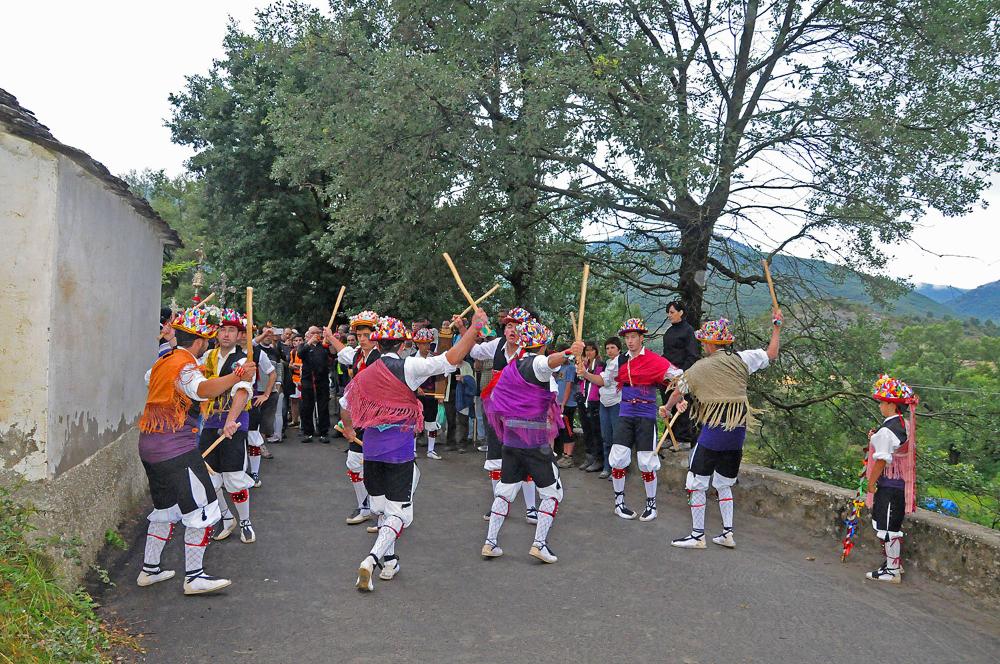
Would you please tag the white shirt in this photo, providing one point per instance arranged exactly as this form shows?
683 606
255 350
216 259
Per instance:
486 351
609 394
885 443
347 353
243 384
189 378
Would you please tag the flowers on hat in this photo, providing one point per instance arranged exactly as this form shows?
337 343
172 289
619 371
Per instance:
233 318
203 322
365 319
423 336
633 325
390 329
533 334
517 315
892 390
715 332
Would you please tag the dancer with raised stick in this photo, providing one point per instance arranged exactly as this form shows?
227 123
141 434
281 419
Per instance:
718 383
179 481
382 401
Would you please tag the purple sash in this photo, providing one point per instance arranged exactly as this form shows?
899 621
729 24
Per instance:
522 415
392 444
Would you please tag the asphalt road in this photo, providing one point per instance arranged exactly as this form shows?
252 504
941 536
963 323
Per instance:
618 593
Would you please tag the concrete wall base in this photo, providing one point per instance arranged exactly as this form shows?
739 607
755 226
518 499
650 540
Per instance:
79 506
961 554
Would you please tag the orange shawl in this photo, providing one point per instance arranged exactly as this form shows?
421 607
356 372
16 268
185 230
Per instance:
166 405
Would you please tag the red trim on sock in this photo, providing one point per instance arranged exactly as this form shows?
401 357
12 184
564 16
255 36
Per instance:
495 475
240 496
722 500
253 450
618 473
648 476
355 477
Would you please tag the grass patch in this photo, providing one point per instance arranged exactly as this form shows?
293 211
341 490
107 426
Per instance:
39 620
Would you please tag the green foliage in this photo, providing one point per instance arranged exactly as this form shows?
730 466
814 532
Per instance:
39 621
113 538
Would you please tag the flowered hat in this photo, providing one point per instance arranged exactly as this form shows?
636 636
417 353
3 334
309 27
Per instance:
203 322
533 334
517 315
364 319
233 318
715 332
892 390
423 336
390 329
633 325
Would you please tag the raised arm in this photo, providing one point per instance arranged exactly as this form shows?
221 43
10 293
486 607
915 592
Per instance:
775 345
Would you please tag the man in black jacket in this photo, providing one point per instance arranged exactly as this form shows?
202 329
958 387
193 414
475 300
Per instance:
315 386
683 350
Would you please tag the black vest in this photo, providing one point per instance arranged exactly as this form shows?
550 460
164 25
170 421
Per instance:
526 367
499 357
359 355
396 367
897 427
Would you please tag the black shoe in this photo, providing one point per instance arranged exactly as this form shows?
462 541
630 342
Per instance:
306 439
324 440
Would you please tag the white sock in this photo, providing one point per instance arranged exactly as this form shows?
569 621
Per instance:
223 505
546 513
431 441
388 532
893 552
529 493
361 493
696 499
157 536
618 483
650 486
498 512
243 507
255 464
195 542
726 506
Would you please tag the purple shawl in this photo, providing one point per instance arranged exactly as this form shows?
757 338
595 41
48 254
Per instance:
522 414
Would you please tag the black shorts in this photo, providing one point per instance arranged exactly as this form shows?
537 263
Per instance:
229 456
430 405
518 462
704 462
494 448
173 482
392 480
889 508
637 431
256 415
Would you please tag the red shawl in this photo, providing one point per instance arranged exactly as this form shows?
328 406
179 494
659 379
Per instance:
375 397
646 369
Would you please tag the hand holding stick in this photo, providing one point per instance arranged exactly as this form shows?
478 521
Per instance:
336 306
669 432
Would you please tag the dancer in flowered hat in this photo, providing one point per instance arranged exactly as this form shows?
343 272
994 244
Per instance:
363 324
718 383
521 408
639 373
892 480
168 446
501 351
382 401
423 338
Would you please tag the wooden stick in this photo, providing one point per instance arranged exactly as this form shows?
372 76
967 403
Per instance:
205 301
250 323
336 306
583 301
458 280
339 426
572 322
213 446
669 432
481 298
770 283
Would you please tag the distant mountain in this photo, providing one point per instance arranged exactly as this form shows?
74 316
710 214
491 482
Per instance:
982 302
938 293
817 280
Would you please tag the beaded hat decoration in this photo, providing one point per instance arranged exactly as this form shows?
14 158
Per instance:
233 318
423 336
364 319
390 329
715 332
517 315
633 325
892 390
533 334
203 322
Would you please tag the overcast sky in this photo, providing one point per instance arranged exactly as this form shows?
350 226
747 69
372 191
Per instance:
98 74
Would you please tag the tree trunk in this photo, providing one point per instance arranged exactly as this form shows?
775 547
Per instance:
696 238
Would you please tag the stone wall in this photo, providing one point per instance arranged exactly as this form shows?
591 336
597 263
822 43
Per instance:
956 552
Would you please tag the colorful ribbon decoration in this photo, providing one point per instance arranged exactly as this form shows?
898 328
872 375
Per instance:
856 504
